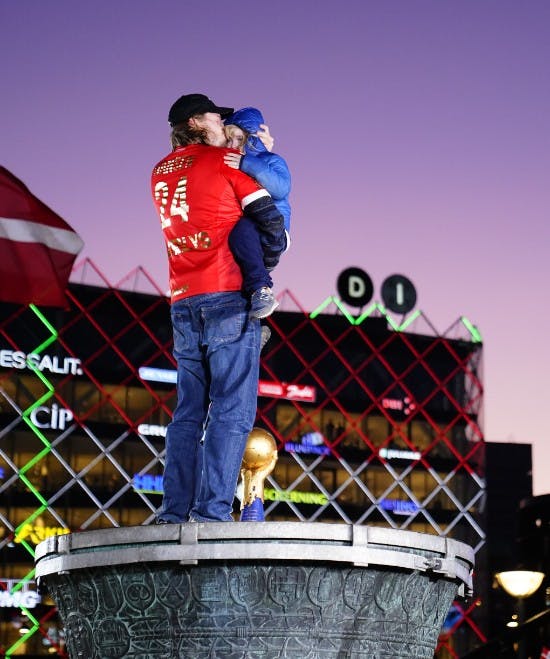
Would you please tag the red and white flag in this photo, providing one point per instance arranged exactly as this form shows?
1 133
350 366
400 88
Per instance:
37 247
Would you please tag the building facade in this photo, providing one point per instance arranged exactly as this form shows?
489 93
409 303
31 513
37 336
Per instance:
376 423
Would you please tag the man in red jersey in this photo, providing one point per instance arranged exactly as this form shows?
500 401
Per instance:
216 344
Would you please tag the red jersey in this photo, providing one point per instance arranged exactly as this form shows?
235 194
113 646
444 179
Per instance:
199 199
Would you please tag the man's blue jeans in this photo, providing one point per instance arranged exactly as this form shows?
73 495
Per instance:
217 348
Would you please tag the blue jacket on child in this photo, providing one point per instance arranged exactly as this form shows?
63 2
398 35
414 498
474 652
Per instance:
269 169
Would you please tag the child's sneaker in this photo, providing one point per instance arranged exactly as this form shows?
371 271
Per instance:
266 335
262 303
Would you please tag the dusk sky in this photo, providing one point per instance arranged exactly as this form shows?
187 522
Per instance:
417 133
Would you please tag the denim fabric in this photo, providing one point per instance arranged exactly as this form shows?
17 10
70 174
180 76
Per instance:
255 250
217 348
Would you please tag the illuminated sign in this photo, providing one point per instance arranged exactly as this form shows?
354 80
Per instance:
21 597
299 392
406 405
54 417
310 443
296 497
398 294
166 375
398 507
55 364
354 286
304 393
151 430
153 484
147 483
37 532
389 453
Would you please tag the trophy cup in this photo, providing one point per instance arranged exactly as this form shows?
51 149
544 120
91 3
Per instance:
260 456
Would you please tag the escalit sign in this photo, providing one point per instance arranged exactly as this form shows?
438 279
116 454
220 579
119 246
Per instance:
50 363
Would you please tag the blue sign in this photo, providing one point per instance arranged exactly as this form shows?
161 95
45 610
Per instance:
148 483
398 507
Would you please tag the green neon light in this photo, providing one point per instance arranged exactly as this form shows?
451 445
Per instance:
30 616
23 638
21 474
46 383
33 490
375 306
36 458
36 624
475 333
23 582
46 322
382 309
320 308
32 517
366 314
344 310
409 320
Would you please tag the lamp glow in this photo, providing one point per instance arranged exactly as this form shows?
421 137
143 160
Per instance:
520 583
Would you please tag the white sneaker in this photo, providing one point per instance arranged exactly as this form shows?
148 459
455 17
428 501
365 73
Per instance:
262 303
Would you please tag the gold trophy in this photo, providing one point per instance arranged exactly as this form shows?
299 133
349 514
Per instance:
259 459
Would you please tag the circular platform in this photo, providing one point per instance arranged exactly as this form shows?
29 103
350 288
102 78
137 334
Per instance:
254 589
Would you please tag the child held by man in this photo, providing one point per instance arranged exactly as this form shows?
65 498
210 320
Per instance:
257 250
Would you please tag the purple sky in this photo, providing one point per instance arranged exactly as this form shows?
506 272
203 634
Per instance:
417 132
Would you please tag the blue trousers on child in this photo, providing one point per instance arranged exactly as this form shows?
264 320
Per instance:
257 251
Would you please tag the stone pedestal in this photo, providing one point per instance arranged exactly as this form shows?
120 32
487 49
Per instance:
255 589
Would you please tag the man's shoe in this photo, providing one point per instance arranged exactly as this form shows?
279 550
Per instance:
263 303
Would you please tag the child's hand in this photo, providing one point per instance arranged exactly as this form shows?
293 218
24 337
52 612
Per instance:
265 137
232 160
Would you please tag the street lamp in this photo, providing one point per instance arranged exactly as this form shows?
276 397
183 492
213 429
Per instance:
520 584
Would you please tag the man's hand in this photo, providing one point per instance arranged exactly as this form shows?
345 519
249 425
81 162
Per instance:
266 139
232 160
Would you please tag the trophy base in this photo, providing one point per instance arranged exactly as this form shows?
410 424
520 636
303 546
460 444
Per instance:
254 589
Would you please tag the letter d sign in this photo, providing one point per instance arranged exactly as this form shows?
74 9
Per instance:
355 287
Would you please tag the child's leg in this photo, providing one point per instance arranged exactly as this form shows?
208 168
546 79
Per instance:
245 245
274 244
